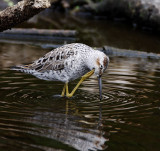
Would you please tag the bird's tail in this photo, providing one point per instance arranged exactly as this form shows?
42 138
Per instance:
21 68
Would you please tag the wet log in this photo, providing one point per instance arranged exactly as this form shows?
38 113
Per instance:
40 32
38 36
112 51
21 12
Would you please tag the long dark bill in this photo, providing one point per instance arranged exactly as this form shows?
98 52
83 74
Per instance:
100 86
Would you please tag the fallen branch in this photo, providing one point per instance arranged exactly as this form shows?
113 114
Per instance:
21 12
39 32
111 51
42 37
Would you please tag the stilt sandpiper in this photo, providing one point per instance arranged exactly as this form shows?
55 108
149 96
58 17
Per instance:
68 63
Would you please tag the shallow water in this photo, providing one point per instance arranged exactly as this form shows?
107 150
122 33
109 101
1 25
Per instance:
34 117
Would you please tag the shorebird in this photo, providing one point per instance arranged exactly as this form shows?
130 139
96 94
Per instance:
67 63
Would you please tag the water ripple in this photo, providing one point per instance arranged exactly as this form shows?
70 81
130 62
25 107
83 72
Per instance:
33 117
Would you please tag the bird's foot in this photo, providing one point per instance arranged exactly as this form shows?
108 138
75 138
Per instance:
69 95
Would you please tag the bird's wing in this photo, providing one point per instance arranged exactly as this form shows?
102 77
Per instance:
53 60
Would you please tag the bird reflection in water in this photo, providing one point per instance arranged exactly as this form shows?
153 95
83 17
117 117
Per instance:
72 130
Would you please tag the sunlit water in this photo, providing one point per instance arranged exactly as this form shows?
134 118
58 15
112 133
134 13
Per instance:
34 117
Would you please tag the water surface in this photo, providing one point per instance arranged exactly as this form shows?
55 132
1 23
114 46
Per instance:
33 117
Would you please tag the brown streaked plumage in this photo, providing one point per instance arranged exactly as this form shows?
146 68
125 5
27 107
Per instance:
105 62
98 63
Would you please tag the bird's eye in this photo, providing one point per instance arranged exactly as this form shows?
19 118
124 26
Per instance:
101 67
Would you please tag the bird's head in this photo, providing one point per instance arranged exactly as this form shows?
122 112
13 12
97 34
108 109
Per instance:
99 64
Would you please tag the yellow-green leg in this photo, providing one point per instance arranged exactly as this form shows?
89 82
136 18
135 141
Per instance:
87 75
63 91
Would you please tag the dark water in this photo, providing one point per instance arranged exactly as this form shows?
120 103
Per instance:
34 118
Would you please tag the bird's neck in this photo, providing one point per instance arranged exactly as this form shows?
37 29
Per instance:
91 60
